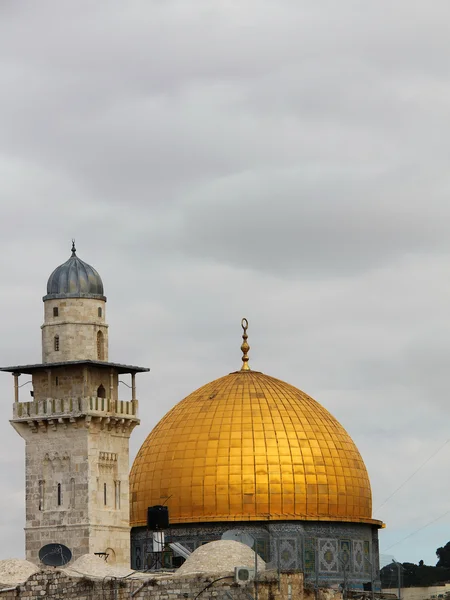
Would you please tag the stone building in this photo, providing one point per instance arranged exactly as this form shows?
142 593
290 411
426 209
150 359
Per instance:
76 430
245 455
254 455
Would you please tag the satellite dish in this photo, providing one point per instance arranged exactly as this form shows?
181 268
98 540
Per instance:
239 536
55 555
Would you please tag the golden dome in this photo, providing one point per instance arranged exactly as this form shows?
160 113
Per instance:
248 447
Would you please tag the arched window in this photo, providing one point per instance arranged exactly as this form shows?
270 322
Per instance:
101 392
100 346
59 493
56 343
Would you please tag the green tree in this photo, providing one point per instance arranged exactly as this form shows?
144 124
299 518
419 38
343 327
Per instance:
443 555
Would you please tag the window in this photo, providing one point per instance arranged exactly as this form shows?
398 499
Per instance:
55 311
59 495
56 343
101 392
99 311
104 494
41 494
100 346
72 493
56 380
117 494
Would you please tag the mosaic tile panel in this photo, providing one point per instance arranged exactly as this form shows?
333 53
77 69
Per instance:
310 555
358 556
345 553
288 554
328 556
367 561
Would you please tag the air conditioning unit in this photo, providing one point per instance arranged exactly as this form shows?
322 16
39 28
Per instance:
243 575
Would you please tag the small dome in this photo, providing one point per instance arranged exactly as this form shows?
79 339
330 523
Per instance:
74 279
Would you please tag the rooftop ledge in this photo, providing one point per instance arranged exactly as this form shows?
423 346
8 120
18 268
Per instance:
118 367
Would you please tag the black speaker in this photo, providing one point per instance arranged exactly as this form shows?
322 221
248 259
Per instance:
157 517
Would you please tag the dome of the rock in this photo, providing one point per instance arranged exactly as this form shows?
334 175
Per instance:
249 447
250 455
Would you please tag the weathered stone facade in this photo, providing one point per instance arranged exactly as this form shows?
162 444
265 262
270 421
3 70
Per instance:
77 466
74 329
76 430
58 585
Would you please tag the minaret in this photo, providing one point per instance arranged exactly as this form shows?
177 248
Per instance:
76 431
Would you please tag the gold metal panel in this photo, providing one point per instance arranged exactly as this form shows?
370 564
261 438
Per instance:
250 447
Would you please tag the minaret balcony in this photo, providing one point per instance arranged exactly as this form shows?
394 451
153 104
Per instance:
60 408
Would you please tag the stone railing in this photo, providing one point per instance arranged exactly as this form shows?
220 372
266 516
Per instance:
74 406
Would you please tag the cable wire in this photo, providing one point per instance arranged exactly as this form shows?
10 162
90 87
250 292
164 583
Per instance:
417 530
412 475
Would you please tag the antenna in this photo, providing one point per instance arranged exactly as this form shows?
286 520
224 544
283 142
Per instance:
55 555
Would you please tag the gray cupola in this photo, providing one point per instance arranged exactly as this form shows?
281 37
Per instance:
74 279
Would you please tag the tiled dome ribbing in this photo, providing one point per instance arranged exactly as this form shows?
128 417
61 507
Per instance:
248 447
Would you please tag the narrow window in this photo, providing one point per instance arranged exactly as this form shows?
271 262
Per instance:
55 311
41 495
59 495
56 380
100 349
117 494
104 494
99 311
56 343
72 493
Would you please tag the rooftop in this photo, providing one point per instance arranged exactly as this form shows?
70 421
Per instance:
30 369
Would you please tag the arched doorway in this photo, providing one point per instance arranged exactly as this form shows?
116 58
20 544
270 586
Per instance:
101 392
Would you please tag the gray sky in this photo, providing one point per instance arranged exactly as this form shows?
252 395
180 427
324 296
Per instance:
281 160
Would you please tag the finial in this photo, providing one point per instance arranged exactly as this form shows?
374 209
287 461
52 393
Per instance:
245 347
73 248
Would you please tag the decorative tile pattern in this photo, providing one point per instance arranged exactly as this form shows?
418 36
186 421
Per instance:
367 561
249 447
345 551
262 548
358 556
310 555
288 554
328 556
302 535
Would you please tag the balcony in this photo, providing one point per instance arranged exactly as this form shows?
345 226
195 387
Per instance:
58 408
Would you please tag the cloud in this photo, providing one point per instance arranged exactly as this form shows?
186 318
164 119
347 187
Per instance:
283 161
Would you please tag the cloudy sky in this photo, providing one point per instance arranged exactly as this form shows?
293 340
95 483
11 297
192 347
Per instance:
282 160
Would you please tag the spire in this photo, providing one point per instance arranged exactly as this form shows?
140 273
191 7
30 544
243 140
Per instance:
245 347
73 248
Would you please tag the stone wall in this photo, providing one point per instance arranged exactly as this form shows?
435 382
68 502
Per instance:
57 585
421 593
77 490
76 325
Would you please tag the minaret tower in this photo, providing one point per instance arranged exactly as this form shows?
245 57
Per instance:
76 430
